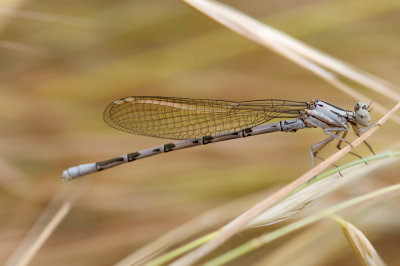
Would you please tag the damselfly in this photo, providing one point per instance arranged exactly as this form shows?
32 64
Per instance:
200 121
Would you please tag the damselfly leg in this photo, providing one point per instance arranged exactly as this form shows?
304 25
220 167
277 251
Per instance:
338 146
358 131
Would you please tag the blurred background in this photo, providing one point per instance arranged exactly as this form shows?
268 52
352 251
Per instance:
62 62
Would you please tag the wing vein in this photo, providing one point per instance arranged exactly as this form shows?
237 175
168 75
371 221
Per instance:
184 118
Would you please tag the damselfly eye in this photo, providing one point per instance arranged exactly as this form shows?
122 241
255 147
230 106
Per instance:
362 114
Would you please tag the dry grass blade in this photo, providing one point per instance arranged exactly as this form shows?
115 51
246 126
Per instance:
201 223
360 244
300 53
55 213
271 236
10 5
35 240
24 14
264 34
323 185
23 48
235 226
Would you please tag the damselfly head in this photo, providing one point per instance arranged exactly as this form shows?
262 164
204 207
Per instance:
362 114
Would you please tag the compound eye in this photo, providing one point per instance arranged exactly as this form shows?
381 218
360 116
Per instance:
362 114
